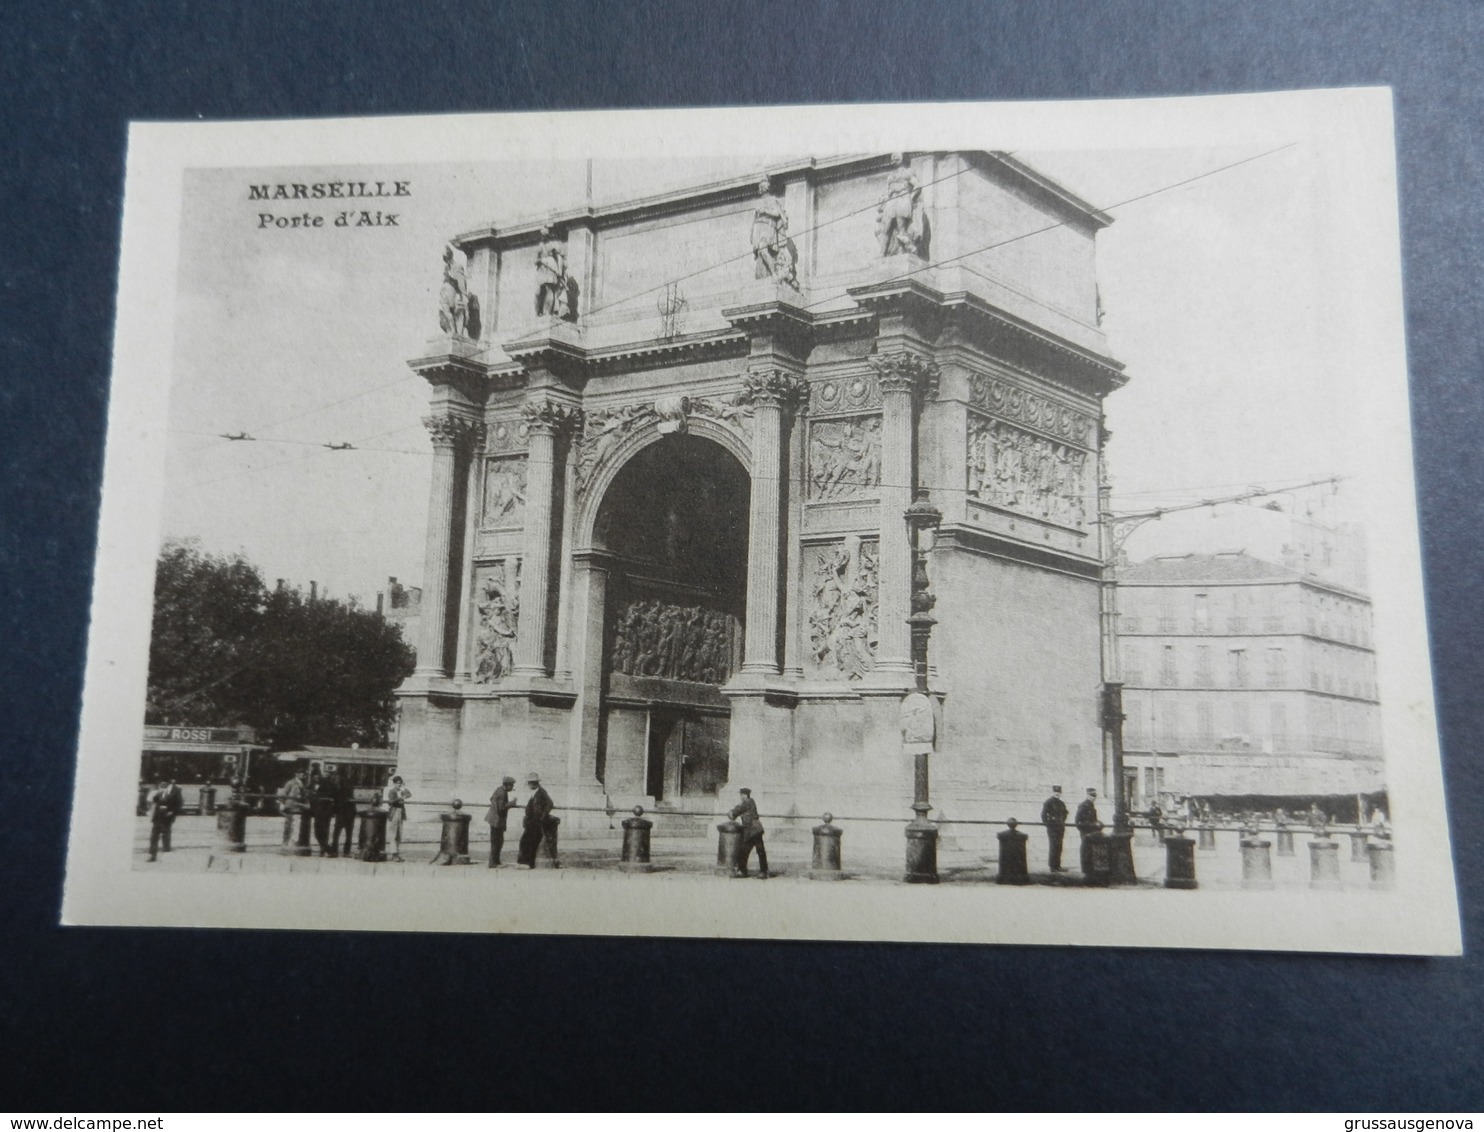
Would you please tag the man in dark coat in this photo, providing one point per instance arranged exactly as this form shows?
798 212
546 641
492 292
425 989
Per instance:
164 804
538 813
500 805
1054 818
322 809
345 813
1087 822
745 812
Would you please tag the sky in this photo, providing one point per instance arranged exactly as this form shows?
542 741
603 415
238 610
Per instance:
300 338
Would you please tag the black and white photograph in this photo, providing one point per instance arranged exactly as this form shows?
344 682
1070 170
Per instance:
985 523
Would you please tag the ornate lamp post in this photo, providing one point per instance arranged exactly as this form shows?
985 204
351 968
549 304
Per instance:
923 520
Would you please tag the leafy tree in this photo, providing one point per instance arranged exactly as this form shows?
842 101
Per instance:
226 649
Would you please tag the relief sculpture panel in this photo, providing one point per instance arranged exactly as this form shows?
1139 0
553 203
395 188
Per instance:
676 642
1013 403
1029 474
844 458
497 606
842 610
505 492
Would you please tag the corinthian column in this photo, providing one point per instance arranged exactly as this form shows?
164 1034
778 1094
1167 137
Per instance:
448 433
903 377
546 419
772 393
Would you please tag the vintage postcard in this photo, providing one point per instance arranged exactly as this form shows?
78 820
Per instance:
973 523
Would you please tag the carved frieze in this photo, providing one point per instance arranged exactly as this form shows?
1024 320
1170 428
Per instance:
504 492
1013 403
845 394
506 435
842 610
1011 468
497 605
675 642
844 458
604 429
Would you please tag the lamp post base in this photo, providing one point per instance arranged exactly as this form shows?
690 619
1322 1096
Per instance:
922 852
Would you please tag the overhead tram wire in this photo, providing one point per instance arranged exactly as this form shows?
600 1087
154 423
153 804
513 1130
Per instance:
814 229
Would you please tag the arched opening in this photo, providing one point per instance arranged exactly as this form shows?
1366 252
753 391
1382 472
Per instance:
674 522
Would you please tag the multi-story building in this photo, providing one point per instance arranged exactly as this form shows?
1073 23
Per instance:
1246 679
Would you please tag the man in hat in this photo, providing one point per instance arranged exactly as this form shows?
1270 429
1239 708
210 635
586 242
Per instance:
538 811
1054 818
164 804
745 812
1087 822
500 805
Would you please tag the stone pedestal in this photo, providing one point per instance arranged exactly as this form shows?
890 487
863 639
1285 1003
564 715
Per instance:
1097 869
1180 863
453 845
728 846
373 835
1257 863
825 864
1324 864
208 800
922 852
231 827
1383 865
635 855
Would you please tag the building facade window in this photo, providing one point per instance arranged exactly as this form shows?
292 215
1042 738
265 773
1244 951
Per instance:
1205 724
1238 665
1168 676
1277 668
1202 613
1203 674
1236 621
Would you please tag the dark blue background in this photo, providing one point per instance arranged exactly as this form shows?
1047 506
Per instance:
170 1019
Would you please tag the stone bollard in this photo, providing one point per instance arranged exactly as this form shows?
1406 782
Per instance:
1357 844
1257 864
1121 858
825 864
300 846
1180 861
1207 835
1324 862
231 826
1285 840
546 853
1013 868
373 835
635 857
728 845
1383 865
208 801
453 846
1097 869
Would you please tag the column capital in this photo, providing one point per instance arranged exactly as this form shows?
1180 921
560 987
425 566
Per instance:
548 415
769 385
450 431
901 371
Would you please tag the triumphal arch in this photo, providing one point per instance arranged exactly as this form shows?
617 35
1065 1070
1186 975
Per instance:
674 442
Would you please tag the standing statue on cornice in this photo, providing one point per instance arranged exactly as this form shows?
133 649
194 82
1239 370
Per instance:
458 311
555 289
773 253
901 225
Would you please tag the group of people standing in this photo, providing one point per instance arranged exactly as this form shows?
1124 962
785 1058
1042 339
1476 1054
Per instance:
1054 818
537 825
331 802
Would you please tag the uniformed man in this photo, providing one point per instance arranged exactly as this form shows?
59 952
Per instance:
164 804
538 810
745 812
1054 818
500 805
1087 822
344 794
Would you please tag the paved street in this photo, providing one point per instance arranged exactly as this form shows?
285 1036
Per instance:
968 855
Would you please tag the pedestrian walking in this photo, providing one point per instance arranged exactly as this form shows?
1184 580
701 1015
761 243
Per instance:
1087 824
322 810
345 815
500 805
745 812
395 801
538 812
1054 818
164 803
291 802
